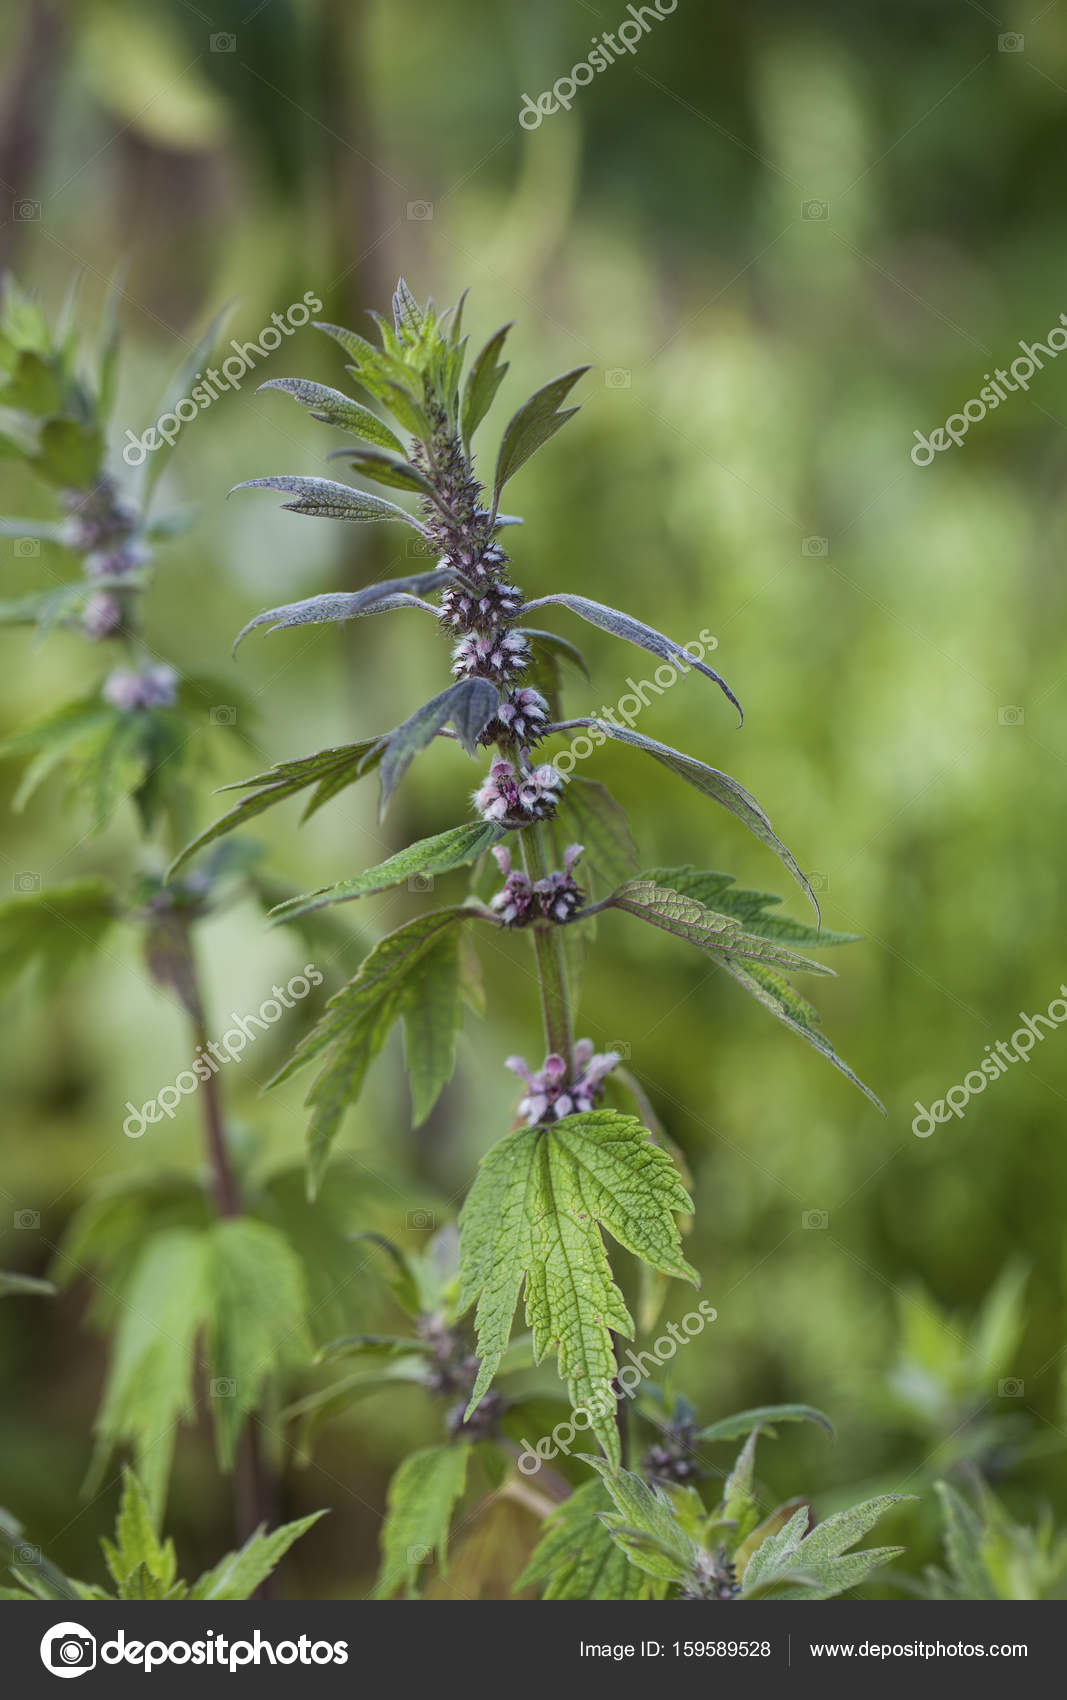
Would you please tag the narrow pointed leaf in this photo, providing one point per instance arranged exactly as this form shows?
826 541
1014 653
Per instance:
537 420
333 407
469 705
456 848
633 631
685 918
486 376
340 605
321 498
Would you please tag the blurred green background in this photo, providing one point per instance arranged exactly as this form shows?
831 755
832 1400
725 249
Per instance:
786 237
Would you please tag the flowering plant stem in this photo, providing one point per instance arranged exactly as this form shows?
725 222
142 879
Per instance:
549 957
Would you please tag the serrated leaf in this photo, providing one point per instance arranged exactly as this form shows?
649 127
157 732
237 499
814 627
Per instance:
530 428
469 705
53 929
624 626
645 1526
136 1544
716 935
714 784
329 771
322 498
333 407
407 314
341 605
432 1010
148 1388
763 1416
964 1539
534 1215
239 1574
456 848
486 375
719 892
422 1496
577 1557
356 1024
811 1566
258 1321
793 1011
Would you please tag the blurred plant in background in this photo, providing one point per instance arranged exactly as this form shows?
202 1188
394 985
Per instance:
760 374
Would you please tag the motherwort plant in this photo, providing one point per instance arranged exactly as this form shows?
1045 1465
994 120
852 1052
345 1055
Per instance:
584 1157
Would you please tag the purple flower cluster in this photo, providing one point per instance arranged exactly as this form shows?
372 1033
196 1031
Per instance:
516 799
521 718
500 656
149 687
518 902
491 604
549 1097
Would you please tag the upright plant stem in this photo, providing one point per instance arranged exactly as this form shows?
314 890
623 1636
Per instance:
254 1497
548 952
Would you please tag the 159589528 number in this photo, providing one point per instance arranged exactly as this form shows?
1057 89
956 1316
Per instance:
722 1649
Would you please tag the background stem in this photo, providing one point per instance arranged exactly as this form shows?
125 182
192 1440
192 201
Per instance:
548 953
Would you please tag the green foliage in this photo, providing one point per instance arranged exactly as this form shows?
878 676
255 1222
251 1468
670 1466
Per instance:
534 1215
530 428
52 929
358 1021
456 848
730 1553
989 1556
578 1558
423 1495
142 1567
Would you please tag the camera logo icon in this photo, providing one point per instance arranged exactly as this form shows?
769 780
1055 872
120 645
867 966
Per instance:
617 378
26 211
1010 43
815 1219
24 883
815 546
420 882
815 209
68 1649
1011 1388
27 1219
1011 715
622 1049
223 43
421 1219
420 209
224 1387
223 714
27 547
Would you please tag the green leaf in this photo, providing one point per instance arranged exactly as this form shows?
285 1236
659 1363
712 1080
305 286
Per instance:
340 605
591 817
763 1416
469 705
395 471
964 1539
739 1503
136 1544
713 784
811 1566
53 929
239 1574
69 454
793 1011
456 848
323 499
719 892
179 385
332 407
258 1321
530 428
407 314
486 375
633 631
356 1024
422 1496
148 1388
535 1214
329 771
716 935
432 1011
578 1557
645 1526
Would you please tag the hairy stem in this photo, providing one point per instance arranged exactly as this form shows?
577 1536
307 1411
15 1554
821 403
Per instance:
548 953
